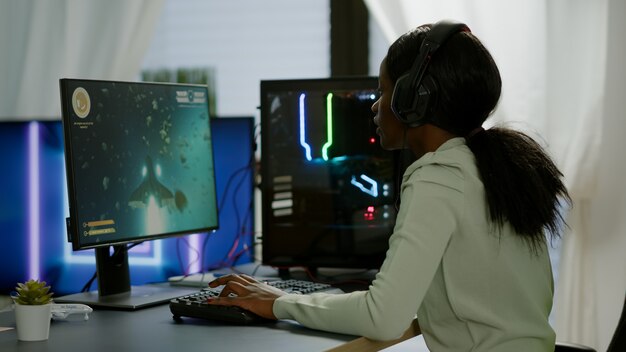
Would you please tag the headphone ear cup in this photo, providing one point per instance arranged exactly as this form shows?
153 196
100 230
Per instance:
426 96
402 98
413 106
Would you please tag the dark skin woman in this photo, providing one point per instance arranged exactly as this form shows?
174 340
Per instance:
468 255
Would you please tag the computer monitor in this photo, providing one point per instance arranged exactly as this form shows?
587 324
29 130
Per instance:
328 188
140 166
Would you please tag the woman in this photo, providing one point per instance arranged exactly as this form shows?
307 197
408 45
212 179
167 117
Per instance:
468 253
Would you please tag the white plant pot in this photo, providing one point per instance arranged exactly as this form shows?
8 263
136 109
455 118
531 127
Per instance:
33 322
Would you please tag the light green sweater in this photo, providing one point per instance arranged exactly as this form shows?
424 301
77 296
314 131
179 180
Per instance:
473 286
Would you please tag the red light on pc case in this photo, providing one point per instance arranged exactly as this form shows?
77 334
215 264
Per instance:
369 213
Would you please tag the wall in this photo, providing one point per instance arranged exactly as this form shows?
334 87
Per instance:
608 222
246 41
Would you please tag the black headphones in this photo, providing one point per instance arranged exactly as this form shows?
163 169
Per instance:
413 96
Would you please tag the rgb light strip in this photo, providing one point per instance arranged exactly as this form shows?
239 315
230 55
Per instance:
303 143
34 216
329 126
372 190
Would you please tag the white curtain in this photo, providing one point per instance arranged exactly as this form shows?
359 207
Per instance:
561 85
42 41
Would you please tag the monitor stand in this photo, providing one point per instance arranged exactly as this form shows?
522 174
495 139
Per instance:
114 289
138 297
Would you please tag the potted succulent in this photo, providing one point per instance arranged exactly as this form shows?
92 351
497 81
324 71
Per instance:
33 306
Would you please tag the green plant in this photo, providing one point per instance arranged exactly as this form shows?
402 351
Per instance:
33 292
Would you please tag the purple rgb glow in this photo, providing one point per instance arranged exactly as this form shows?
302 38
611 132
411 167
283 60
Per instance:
195 266
33 201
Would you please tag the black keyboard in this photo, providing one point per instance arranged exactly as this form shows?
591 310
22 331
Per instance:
195 305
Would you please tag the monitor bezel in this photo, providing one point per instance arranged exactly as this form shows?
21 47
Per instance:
112 265
72 225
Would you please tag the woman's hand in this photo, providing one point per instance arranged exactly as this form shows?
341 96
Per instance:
248 293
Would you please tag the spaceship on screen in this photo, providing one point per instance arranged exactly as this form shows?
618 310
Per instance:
150 187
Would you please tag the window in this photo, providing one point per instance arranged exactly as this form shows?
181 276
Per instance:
243 42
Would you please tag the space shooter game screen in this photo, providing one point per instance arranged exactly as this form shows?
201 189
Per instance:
141 160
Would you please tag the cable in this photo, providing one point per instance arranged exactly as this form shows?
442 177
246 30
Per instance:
237 178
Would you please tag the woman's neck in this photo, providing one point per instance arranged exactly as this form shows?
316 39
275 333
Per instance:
426 138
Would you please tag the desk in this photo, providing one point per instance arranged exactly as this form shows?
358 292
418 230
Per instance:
153 329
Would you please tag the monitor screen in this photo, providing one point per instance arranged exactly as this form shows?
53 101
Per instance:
139 165
328 188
